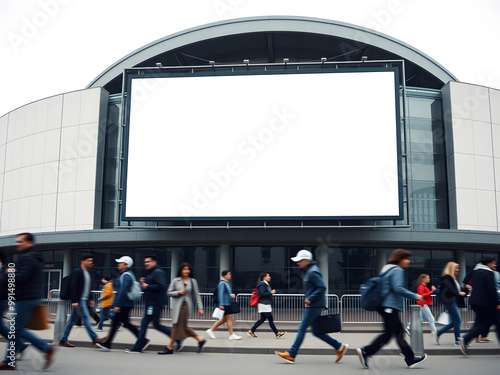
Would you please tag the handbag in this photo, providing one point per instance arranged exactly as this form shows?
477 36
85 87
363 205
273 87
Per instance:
218 313
39 319
444 318
328 323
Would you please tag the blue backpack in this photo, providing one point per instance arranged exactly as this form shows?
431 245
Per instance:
374 292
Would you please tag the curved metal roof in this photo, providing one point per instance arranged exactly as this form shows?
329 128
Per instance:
268 38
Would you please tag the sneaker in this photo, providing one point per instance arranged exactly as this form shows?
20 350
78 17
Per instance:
251 334
201 345
280 334
130 351
340 353
287 357
435 336
407 330
363 357
103 347
98 330
179 345
234 336
484 340
210 333
417 360
146 344
463 347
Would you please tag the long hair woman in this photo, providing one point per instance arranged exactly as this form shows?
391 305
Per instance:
182 289
265 305
450 291
425 311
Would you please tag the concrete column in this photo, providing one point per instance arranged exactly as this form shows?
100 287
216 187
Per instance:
322 259
175 263
224 258
462 263
381 259
60 320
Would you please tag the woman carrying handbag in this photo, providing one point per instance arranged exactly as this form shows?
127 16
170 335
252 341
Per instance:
225 296
182 289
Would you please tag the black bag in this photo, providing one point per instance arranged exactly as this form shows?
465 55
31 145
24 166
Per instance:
234 308
65 293
327 323
215 296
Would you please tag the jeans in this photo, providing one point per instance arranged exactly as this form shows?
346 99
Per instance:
24 309
455 320
155 318
263 317
425 313
83 312
105 314
122 316
393 327
310 315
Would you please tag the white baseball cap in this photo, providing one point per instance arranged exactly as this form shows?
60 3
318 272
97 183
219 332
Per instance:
125 259
302 255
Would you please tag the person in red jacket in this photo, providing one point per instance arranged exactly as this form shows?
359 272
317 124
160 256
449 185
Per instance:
425 311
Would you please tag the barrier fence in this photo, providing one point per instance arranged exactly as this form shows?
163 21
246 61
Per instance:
288 308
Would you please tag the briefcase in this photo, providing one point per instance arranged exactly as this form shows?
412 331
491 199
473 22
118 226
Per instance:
39 319
328 323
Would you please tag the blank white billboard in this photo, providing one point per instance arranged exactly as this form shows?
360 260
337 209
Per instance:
319 145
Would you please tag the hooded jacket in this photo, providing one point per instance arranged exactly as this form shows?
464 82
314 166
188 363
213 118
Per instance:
484 291
28 275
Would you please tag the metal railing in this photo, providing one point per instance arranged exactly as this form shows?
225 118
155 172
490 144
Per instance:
288 308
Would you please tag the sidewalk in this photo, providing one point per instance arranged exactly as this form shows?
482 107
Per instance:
266 343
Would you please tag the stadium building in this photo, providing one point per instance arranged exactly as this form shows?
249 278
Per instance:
233 145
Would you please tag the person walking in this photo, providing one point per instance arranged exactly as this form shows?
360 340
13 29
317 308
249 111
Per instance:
224 297
106 299
425 311
122 303
154 285
483 300
182 289
394 275
26 275
80 286
450 294
314 302
265 305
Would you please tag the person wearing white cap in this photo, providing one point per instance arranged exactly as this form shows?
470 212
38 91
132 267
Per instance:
315 301
123 304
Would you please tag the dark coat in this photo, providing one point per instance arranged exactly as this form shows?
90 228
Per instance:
28 275
449 290
484 291
156 292
77 284
264 293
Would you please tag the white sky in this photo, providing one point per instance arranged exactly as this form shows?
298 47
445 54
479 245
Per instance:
49 47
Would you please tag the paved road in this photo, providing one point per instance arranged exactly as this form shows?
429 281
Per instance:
76 361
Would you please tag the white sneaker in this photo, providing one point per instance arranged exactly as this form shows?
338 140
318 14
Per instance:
210 333
234 337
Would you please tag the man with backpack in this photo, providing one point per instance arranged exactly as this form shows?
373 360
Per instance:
391 292
80 284
315 302
125 286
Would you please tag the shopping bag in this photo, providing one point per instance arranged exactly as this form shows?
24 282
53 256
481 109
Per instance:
443 319
39 318
218 314
328 323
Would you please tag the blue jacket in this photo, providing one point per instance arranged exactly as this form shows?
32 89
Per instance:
224 293
397 290
121 299
314 286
